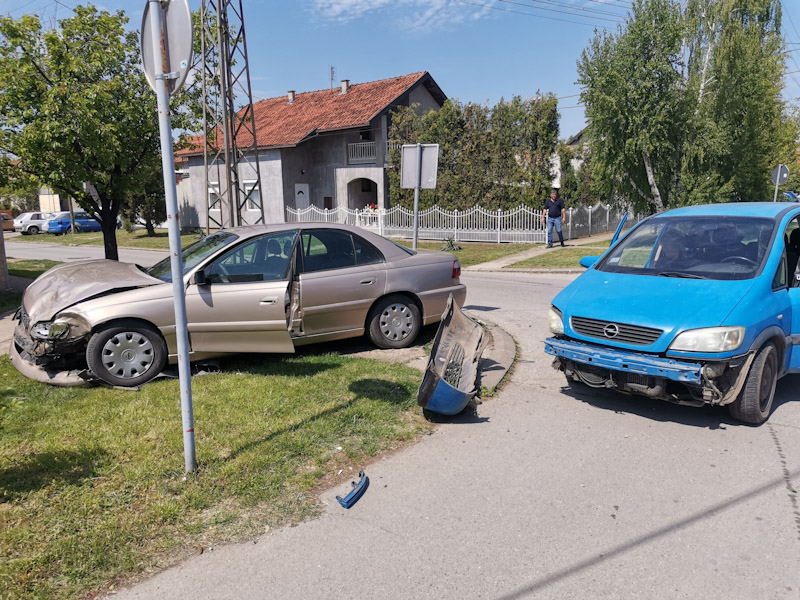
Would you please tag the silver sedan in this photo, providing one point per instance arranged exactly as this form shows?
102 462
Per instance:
250 289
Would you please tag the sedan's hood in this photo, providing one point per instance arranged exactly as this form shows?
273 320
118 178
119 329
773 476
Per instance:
70 283
667 303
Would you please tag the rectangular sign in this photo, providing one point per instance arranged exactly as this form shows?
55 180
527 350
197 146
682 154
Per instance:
410 176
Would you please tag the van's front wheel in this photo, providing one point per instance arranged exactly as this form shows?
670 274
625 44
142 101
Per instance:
755 400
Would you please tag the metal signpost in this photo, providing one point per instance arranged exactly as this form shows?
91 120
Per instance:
419 164
779 176
166 56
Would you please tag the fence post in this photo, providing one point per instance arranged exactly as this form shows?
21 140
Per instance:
591 210
570 222
608 217
381 214
455 225
498 225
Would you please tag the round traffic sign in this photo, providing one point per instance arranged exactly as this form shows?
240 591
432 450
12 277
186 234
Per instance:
176 38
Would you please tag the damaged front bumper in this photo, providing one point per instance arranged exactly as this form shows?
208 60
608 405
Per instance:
683 382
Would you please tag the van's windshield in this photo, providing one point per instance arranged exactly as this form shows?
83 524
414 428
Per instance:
693 248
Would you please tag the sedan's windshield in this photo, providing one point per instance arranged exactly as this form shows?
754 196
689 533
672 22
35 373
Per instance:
693 248
192 255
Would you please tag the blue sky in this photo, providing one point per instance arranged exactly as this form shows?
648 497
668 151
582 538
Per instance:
477 50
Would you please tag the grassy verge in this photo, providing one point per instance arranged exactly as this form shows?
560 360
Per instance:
473 253
29 268
92 488
137 239
9 301
560 258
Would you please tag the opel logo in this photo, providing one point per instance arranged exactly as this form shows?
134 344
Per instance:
611 330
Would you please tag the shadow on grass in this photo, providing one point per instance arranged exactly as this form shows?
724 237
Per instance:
47 468
370 389
276 365
362 344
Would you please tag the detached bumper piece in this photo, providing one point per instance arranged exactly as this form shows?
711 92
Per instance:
622 360
359 487
56 377
451 376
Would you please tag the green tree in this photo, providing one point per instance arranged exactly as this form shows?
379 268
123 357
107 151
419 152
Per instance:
76 110
684 103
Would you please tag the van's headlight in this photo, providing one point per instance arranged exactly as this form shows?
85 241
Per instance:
709 339
556 321
50 331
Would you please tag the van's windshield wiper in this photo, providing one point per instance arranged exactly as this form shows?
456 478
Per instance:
680 274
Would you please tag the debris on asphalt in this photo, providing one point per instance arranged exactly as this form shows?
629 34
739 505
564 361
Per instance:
359 487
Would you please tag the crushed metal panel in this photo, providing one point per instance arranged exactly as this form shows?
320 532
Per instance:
451 377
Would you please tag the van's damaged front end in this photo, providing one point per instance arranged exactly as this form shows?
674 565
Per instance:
716 382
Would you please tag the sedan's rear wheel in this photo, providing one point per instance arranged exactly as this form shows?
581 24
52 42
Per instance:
755 400
394 322
126 354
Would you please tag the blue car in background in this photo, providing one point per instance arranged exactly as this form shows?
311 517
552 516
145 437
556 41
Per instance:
697 305
84 222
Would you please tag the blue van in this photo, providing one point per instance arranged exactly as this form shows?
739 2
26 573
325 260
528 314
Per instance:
697 305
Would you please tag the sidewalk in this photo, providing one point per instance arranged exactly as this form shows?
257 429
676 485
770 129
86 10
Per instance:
502 264
16 284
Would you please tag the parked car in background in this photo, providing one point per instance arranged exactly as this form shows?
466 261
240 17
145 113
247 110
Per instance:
8 221
266 288
60 223
697 305
31 223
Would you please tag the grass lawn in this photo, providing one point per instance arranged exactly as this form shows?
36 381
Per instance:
473 253
9 301
29 268
137 239
92 486
560 258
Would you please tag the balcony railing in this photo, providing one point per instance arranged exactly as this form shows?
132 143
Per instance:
365 153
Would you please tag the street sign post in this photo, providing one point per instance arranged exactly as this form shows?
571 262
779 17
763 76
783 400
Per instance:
419 164
168 24
779 176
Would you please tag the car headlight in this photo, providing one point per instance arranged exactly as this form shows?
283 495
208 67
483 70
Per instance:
709 339
50 331
556 321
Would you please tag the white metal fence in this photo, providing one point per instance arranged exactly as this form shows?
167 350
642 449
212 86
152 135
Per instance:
521 224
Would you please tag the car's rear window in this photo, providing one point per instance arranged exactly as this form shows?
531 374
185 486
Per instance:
693 247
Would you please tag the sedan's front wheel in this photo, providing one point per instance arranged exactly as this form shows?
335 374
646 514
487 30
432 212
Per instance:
126 354
755 400
394 322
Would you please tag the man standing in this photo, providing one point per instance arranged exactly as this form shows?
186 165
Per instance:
553 212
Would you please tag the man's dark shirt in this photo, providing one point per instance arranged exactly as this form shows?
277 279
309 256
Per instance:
554 208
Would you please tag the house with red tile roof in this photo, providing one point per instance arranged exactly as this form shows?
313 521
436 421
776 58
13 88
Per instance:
326 148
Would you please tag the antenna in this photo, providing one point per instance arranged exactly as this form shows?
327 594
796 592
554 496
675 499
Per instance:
333 76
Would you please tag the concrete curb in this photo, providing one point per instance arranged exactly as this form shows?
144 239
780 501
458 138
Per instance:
498 358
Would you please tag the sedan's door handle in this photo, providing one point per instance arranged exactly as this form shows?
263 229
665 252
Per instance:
268 301
369 281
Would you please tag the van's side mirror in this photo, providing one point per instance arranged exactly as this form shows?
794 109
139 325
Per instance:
588 261
200 278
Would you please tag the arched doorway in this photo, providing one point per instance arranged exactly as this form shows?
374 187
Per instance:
362 193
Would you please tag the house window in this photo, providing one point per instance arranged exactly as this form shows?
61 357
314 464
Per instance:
214 201
254 199
328 202
366 135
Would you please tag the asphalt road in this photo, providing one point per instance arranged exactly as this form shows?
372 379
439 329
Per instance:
52 251
545 493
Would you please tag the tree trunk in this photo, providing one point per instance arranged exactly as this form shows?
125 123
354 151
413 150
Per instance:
652 180
149 227
110 238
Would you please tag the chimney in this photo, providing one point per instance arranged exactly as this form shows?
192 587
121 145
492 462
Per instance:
291 96
345 85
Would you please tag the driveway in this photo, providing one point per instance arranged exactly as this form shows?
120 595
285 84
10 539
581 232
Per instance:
545 493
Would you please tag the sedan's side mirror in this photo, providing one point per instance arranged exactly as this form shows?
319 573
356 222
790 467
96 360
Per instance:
588 261
200 278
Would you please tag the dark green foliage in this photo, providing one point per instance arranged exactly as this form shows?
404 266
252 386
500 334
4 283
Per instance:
494 158
690 92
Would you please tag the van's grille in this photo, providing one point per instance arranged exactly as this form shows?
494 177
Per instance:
619 332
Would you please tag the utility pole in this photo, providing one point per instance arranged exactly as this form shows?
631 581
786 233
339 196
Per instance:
230 154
